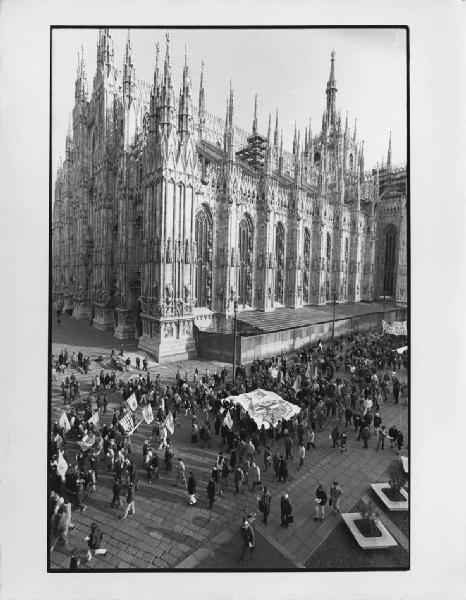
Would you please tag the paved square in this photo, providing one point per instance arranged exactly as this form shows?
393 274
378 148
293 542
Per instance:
166 532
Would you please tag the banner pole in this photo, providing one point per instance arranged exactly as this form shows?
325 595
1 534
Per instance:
135 427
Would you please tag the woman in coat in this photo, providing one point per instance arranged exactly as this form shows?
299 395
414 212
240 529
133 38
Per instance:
285 510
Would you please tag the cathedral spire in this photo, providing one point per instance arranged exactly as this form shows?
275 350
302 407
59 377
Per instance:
355 129
254 121
81 78
269 132
389 153
331 91
295 139
185 118
157 68
105 53
167 68
276 134
201 101
229 128
128 71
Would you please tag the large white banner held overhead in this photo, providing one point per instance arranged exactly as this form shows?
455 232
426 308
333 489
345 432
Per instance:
265 407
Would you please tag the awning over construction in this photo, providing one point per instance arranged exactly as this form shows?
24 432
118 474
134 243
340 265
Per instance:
265 407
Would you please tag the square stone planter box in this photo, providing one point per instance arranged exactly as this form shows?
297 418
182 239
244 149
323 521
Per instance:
386 540
390 504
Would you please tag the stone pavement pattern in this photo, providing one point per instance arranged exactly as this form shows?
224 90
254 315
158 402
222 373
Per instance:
166 532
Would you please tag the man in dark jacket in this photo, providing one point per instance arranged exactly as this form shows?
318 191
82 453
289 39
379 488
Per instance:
320 502
282 470
116 493
247 534
264 504
211 492
285 510
365 434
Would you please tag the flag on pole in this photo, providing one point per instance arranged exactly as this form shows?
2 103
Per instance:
63 422
169 423
148 414
132 403
126 423
95 419
87 442
228 421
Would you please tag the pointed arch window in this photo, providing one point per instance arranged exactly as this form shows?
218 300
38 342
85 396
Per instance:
329 252
280 261
307 264
246 236
203 267
389 254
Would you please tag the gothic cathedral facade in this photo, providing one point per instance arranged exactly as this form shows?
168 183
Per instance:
164 215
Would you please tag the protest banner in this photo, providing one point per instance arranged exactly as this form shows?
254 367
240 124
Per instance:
265 407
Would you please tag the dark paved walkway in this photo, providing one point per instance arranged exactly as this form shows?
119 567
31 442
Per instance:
166 532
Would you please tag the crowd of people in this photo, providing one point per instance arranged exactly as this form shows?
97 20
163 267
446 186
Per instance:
336 391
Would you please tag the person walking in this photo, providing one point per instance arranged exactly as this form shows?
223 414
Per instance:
211 492
285 510
94 541
254 476
301 454
335 436
288 447
365 434
247 535
320 502
192 485
116 493
238 478
264 504
381 438
130 506
180 473
310 434
335 494
282 470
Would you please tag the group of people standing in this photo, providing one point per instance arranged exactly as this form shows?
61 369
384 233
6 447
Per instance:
311 380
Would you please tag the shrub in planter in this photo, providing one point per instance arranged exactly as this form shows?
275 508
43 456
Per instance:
397 481
367 524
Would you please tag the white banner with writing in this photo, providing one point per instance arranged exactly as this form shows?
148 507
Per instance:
395 328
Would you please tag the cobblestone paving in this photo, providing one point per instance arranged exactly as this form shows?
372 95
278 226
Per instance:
166 532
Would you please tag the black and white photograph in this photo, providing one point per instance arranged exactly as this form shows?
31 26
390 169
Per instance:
229 299
232 237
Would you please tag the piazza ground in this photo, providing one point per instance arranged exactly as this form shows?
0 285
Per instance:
167 533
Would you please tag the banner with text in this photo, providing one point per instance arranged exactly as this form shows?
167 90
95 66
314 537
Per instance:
395 328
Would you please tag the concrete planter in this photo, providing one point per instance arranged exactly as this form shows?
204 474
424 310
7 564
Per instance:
385 540
390 504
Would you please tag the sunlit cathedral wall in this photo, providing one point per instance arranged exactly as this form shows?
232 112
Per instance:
164 214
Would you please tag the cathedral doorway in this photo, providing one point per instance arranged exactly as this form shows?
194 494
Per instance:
389 254
245 257
203 277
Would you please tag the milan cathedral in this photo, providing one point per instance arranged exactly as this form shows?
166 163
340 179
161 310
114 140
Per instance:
164 215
